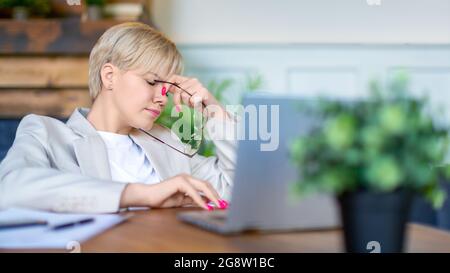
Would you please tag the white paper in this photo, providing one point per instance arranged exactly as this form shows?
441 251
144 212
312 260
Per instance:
44 237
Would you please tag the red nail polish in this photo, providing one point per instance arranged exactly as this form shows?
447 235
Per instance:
224 203
163 91
210 208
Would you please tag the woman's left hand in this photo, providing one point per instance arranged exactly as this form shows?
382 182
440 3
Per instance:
198 95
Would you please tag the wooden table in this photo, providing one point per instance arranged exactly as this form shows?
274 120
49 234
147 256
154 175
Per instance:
158 230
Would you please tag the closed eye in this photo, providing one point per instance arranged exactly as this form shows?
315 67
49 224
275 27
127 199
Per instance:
153 84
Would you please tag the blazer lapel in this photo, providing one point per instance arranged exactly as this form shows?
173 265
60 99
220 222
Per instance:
90 150
92 157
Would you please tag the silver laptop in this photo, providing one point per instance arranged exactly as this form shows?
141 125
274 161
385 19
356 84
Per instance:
262 197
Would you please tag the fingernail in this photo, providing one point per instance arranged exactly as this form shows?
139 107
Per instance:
178 108
223 204
163 91
210 208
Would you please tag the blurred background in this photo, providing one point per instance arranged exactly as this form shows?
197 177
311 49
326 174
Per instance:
303 47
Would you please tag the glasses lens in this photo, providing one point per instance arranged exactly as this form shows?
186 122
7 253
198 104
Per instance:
187 144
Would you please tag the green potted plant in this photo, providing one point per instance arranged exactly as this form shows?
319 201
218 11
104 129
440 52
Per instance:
21 9
94 9
374 155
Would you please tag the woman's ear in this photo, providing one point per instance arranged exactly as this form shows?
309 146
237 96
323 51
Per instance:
107 74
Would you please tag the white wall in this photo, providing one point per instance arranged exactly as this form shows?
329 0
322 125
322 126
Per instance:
330 70
329 47
304 21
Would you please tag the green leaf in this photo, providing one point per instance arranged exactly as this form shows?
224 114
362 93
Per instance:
298 148
340 131
392 118
446 171
436 196
384 174
372 137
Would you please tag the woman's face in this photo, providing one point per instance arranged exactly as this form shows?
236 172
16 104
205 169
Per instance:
138 99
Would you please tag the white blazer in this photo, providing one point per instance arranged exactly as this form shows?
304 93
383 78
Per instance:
64 167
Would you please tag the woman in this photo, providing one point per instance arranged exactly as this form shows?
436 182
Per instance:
99 161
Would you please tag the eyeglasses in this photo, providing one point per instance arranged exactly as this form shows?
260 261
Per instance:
192 146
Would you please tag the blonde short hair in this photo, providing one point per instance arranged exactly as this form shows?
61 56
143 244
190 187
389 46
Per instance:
132 46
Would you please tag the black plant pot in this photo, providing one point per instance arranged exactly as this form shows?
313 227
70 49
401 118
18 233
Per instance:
375 222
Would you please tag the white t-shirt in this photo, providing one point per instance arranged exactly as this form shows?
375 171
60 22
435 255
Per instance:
127 160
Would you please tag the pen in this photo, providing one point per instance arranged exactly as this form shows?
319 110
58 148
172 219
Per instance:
21 223
72 224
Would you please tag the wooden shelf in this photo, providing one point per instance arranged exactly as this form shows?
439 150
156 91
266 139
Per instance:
65 36
59 103
44 64
44 85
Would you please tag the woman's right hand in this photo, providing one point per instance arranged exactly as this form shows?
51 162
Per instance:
177 191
